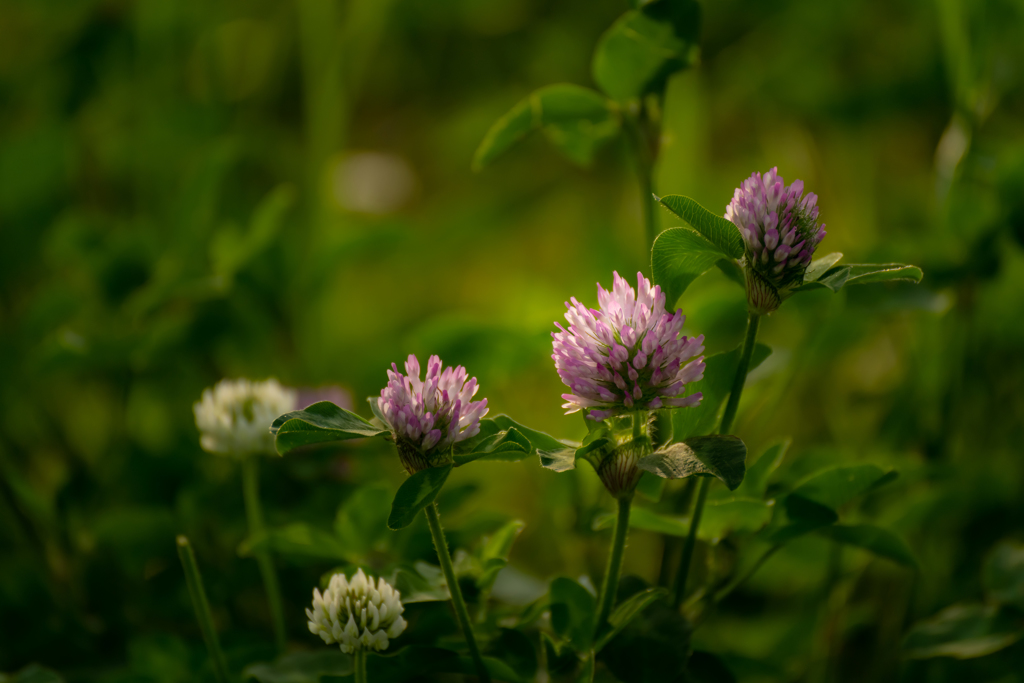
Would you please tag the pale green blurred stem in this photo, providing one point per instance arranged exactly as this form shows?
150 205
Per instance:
458 602
610 584
194 581
679 592
644 136
254 514
359 666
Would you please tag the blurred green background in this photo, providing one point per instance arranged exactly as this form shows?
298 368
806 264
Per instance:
194 190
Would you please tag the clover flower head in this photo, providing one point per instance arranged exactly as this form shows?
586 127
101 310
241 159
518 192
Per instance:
780 233
626 356
234 417
357 614
427 416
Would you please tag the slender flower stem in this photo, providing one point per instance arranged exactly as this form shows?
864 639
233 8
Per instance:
461 612
194 580
610 584
753 321
254 514
679 593
359 666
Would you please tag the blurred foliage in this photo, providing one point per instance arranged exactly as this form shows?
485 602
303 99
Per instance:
194 190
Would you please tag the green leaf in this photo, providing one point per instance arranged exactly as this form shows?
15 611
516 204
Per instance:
360 523
962 631
321 422
628 610
705 667
575 119
680 256
717 229
1003 573
832 279
881 542
866 273
826 491
296 539
820 265
420 582
755 483
508 444
560 460
572 612
652 648
496 551
718 456
731 269
416 493
719 372
644 47
538 440
301 667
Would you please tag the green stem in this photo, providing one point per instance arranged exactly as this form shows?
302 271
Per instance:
753 321
359 666
679 594
194 580
254 514
679 590
461 612
610 585
740 580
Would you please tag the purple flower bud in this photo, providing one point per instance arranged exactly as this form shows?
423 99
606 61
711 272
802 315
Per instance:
428 416
780 231
630 336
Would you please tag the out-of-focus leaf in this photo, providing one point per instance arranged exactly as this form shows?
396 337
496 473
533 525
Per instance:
321 422
1003 573
361 520
575 119
755 483
573 610
416 493
719 372
420 582
738 514
705 667
517 650
720 456
496 550
652 648
417 661
644 47
680 256
651 486
296 539
962 631
647 520
33 673
880 541
715 228
628 610
301 667
231 251
833 488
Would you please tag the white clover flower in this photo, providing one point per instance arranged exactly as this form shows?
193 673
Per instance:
356 614
234 417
